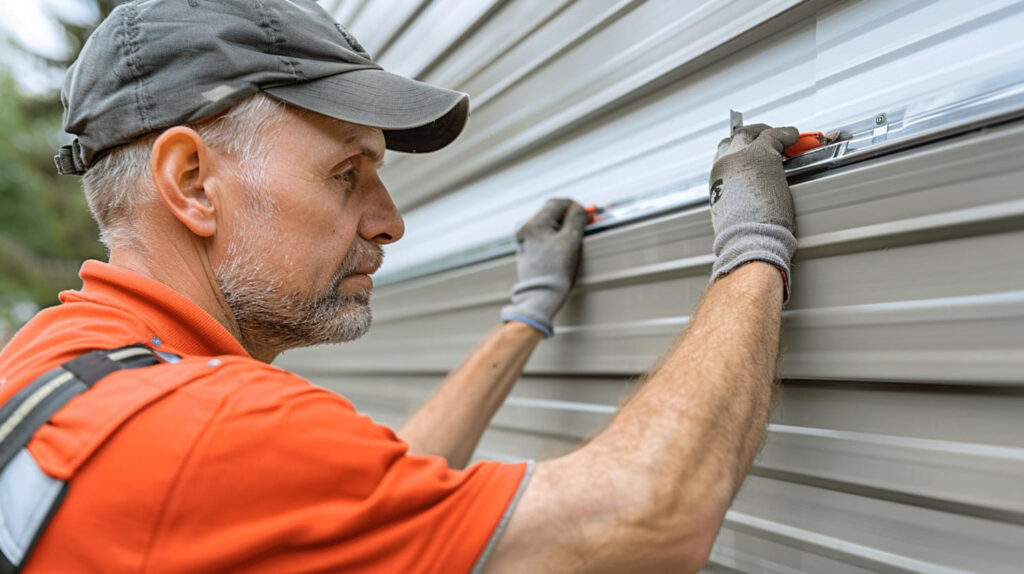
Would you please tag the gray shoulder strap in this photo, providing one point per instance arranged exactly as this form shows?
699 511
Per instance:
28 496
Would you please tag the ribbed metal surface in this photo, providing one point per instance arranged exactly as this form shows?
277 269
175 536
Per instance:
613 100
898 445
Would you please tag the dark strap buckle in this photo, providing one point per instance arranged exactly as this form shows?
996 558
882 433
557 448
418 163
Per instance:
69 159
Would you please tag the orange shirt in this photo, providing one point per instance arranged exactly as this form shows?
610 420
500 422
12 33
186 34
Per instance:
220 462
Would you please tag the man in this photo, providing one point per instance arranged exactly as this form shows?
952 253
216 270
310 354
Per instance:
230 154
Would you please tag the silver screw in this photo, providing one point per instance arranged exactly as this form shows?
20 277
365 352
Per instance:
880 119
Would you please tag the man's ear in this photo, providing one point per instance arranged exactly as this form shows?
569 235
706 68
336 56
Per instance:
180 165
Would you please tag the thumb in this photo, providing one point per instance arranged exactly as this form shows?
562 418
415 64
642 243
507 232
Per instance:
778 138
550 215
575 220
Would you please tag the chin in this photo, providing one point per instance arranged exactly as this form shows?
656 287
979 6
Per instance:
354 323
342 324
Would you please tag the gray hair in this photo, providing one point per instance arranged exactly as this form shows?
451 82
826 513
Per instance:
119 184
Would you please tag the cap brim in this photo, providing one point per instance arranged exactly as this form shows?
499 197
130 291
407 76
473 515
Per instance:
415 117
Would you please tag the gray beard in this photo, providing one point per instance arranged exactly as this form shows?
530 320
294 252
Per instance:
272 320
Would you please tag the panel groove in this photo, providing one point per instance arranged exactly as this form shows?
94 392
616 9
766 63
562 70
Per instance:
510 44
944 505
585 33
478 23
920 41
864 556
390 39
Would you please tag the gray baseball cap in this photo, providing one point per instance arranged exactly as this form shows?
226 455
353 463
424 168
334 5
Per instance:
153 64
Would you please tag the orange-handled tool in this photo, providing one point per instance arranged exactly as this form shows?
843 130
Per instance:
806 142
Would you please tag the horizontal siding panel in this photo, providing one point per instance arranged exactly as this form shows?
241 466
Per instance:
885 460
386 18
495 39
973 479
886 294
637 48
663 141
820 70
440 25
556 37
866 528
897 443
945 414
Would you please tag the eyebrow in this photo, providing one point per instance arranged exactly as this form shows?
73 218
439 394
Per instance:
378 160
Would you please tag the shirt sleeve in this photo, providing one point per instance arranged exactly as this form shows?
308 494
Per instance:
288 477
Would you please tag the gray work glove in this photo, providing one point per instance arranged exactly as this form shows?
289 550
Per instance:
547 257
751 207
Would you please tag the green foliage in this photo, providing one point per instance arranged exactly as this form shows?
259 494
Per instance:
45 226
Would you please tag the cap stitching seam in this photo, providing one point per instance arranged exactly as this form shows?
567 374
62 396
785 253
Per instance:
131 43
274 37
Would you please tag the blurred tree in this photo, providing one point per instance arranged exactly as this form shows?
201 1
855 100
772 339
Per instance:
45 226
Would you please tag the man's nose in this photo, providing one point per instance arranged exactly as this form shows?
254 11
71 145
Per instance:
381 222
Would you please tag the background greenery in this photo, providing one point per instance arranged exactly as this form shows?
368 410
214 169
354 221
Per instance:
45 227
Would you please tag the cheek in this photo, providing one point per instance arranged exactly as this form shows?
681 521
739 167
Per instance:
339 228
332 245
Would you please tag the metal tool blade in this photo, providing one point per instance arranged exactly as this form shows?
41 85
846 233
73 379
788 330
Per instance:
735 121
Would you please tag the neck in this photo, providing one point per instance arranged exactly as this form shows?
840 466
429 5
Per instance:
188 270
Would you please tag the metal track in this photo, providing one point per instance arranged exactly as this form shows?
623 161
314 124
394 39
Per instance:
885 132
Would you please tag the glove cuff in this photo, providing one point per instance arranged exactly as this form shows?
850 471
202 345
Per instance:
508 314
535 302
743 243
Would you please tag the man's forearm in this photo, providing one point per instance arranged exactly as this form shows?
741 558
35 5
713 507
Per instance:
649 493
547 259
700 418
452 421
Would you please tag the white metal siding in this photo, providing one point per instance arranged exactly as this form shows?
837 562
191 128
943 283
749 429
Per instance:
898 445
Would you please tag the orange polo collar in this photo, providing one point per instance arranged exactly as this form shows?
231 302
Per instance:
177 323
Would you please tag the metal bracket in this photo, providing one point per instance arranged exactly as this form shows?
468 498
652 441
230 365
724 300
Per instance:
881 128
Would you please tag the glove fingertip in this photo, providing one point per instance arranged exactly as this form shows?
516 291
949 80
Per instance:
788 135
777 139
755 129
723 146
552 210
577 216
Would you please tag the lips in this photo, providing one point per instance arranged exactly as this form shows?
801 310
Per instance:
362 259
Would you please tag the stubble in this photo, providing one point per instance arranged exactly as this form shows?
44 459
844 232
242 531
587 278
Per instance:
271 318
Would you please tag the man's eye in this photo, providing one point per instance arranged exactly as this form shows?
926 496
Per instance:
347 176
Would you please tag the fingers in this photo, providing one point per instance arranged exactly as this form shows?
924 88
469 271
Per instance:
557 214
778 138
749 133
576 218
787 135
723 147
550 216
759 134
741 139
